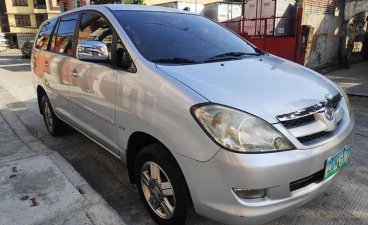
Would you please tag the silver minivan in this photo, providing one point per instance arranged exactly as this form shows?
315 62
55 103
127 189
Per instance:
206 123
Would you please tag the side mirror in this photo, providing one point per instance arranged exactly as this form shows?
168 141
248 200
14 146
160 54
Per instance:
92 51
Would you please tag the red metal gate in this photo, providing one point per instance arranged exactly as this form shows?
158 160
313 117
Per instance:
276 35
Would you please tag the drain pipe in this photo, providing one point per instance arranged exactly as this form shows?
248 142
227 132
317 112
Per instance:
344 29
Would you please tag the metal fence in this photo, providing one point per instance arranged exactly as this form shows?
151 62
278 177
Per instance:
281 26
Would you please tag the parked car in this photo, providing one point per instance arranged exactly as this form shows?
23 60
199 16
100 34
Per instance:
204 121
27 49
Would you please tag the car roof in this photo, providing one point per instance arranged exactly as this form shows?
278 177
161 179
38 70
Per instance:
134 7
121 7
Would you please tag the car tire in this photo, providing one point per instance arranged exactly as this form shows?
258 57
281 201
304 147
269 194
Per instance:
155 157
54 125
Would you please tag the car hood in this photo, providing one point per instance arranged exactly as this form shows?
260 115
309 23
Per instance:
265 86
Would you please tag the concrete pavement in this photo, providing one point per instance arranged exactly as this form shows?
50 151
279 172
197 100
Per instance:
353 80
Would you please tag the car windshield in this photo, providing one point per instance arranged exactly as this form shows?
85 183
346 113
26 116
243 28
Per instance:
180 38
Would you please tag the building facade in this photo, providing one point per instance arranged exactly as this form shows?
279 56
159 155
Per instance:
20 19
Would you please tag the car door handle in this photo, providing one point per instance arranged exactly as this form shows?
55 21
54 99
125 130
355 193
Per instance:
75 74
46 63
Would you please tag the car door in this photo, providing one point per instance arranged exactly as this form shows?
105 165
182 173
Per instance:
92 84
60 52
40 59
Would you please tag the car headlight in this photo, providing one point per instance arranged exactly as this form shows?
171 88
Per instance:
239 131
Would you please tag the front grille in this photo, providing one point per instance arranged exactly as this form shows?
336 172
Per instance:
315 178
312 137
315 136
298 122
305 116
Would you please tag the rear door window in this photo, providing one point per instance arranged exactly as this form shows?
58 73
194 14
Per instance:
64 36
45 35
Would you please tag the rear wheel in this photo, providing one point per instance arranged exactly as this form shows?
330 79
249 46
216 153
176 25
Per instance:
54 125
162 186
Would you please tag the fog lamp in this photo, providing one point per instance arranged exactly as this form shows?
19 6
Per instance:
250 194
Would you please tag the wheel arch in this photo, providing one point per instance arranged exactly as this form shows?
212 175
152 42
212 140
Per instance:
136 142
40 93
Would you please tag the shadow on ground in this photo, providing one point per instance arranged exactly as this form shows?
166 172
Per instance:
13 60
22 68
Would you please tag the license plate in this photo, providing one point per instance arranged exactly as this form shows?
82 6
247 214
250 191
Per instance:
337 162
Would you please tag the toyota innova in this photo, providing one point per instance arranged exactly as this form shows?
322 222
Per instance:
205 122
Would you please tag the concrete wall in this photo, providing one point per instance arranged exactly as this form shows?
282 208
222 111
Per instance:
354 7
355 43
285 7
324 46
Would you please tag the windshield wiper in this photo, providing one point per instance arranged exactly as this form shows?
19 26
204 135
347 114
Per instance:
230 55
175 60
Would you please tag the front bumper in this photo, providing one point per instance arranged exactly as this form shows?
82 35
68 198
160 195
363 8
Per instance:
210 183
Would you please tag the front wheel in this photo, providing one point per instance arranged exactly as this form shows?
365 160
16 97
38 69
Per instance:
162 186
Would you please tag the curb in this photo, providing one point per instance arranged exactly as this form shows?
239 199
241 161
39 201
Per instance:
94 207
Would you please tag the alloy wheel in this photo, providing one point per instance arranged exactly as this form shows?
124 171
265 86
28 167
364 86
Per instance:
158 190
48 116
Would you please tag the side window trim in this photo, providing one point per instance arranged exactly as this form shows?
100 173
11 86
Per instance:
76 34
42 30
56 29
115 42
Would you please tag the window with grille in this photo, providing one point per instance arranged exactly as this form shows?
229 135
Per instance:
40 17
321 6
20 2
22 20
40 4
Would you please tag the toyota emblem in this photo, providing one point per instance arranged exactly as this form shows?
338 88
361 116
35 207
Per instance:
329 113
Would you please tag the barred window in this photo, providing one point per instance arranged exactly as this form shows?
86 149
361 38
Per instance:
321 6
39 4
40 17
20 2
22 20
